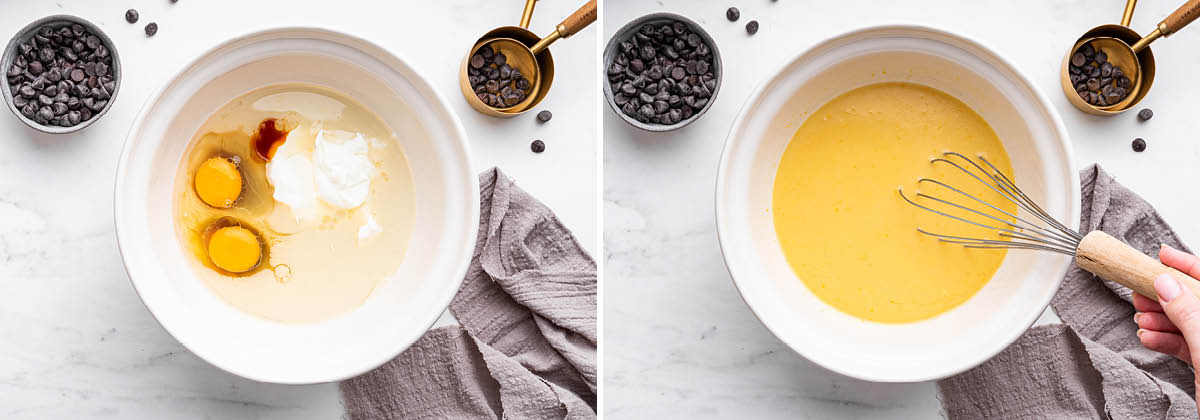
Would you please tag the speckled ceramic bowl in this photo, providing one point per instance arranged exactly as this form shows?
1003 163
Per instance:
58 21
625 33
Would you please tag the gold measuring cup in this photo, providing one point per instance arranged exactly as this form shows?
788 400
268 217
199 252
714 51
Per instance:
1128 51
526 53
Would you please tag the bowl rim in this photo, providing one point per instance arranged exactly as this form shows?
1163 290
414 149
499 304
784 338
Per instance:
738 125
440 105
26 32
610 51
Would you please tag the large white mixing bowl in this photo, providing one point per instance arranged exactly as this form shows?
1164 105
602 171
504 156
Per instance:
400 309
956 340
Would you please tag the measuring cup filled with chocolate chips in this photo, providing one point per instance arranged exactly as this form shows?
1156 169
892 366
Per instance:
509 70
1110 68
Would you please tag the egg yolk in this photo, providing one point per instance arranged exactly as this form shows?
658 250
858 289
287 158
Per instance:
218 182
234 249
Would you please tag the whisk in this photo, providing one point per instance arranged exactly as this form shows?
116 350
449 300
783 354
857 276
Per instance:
1097 252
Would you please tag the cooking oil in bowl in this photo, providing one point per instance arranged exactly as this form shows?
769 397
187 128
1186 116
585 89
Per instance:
845 231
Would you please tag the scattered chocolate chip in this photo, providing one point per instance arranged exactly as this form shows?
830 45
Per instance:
733 14
131 16
752 27
544 116
151 29
1145 114
537 146
1139 145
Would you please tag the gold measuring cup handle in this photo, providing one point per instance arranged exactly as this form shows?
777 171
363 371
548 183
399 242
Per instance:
572 24
527 13
1177 20
1127 16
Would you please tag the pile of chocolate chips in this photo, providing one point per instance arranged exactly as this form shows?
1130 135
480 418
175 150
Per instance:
1097 81
663 74
61 76
496 83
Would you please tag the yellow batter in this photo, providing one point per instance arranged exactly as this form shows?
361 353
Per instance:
845 230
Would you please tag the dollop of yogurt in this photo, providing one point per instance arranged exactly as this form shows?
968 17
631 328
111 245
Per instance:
343 169
316 177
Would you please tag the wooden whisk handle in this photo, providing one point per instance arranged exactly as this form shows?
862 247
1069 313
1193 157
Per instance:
1113 260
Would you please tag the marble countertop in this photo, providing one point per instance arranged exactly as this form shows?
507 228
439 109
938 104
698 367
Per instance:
76 341
679 343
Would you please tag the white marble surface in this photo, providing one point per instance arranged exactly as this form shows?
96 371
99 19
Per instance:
679 343
75 341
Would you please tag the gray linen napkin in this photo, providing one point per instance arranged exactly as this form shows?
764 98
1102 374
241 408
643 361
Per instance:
1092 365
527 345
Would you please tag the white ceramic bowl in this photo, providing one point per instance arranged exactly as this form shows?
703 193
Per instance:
956 340
400 310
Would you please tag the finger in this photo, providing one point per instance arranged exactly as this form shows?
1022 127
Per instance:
1187 263
1145 304
1155 321
1181 306
1166 343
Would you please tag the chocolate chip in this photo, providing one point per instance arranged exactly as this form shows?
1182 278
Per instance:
544 116
1139 145
537 146
77 75
131 16
1078 59
151 29
1145 115
752 27
732 14
477 61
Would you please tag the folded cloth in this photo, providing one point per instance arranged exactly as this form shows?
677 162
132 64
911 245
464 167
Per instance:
1092 365
526 347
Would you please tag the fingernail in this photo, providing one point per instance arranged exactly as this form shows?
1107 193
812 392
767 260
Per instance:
1136 316
1140 331
1166 287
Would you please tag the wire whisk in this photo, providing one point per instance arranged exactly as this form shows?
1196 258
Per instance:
1034 228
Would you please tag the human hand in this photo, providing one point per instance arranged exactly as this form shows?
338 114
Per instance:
1170 324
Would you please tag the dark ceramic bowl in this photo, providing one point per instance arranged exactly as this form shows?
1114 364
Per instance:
55 22
626 32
